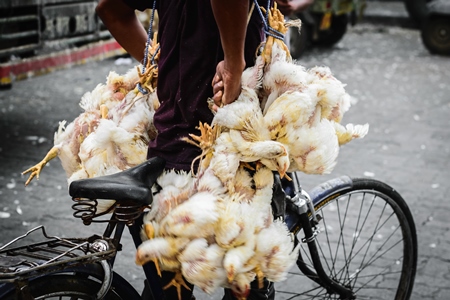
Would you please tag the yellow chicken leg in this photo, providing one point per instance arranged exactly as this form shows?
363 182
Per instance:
36 169
260 276
104 111
141 262
177 282
149 230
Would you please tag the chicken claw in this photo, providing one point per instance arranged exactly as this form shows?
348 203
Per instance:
37 168
177 282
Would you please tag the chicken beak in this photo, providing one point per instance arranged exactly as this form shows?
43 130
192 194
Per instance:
230 275
139 259
282 170
142 260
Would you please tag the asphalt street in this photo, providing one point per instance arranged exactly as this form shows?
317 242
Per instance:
397 87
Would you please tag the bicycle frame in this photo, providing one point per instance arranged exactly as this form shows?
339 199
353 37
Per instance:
109 243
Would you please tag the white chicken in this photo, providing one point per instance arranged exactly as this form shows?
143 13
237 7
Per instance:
274 251
131 113
110 135
193 218
163 252
201 263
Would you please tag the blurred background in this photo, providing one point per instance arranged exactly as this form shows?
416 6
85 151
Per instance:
393 56
34 29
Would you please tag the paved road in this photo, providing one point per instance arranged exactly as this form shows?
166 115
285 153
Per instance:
399 88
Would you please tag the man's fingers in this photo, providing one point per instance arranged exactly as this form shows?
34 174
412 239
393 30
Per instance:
218 86
216 79
218 98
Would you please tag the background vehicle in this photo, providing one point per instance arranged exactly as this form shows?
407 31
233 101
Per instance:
39 36
435 29
417 9
324 23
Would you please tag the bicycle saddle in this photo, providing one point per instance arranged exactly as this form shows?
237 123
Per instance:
132 184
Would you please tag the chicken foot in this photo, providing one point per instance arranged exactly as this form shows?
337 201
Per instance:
178 281
36 169
205 141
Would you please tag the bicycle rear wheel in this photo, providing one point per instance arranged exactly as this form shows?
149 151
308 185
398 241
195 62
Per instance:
367 242
79 284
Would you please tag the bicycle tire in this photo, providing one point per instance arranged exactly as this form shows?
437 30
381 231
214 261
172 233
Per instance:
367 243
79 283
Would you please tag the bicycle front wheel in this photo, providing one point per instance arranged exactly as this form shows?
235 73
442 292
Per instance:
367 243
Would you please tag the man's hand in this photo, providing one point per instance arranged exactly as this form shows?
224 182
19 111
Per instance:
226 83
231 18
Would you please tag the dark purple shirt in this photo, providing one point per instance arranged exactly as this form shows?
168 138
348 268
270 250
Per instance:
190 51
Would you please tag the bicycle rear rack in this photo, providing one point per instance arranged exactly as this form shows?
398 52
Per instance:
52 255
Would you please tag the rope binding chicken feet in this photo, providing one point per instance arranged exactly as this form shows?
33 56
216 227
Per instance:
276 27
148 79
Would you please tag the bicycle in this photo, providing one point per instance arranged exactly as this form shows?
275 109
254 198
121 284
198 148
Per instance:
372 218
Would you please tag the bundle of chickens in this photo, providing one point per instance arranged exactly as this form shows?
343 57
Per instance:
214 226
112 132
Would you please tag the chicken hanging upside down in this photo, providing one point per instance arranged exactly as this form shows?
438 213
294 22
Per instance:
111 134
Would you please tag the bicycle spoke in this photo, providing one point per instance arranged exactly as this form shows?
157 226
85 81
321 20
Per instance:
306 253
308 293
328 243
343 241
348 260
363 236
375 231
368 241
341 227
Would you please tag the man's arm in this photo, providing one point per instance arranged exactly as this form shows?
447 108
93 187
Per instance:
121 21
231 19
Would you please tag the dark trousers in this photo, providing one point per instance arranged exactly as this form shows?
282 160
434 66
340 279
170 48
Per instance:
267 292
